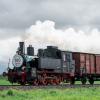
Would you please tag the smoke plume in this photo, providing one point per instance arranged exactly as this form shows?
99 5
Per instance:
45 33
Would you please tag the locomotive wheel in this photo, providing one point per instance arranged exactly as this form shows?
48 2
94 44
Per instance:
35 82
72 81
30 83
58 81
83 80
44 82
91 80
22 83
52 82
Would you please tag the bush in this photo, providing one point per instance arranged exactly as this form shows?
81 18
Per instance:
10 93
53 93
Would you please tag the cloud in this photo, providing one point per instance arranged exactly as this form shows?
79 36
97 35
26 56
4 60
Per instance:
6 33
20 14
8 48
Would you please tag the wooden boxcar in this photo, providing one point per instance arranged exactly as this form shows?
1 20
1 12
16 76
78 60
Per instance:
87 66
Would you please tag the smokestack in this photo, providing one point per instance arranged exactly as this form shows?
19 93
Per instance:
22 47
30 50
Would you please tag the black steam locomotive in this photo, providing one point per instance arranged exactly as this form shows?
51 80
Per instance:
49 66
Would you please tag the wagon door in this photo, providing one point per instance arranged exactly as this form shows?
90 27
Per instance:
97 64
92 61
82 63
88 68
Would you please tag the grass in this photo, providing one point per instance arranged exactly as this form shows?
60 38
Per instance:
52 94
4 81
79 82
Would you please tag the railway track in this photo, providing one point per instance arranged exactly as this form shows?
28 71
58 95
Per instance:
28 87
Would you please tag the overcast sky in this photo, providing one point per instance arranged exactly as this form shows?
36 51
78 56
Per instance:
17 16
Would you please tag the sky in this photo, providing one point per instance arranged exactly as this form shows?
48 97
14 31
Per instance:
69 24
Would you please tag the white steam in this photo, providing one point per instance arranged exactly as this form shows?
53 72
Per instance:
44 33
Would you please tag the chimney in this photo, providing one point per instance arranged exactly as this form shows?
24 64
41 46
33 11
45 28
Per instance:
30 50
22 47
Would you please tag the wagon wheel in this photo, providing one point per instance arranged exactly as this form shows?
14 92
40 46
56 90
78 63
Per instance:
91 80
83 80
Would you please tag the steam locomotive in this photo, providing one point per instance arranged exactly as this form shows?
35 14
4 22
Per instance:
52 66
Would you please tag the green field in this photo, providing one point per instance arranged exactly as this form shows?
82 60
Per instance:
52 94
4 81
90 93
